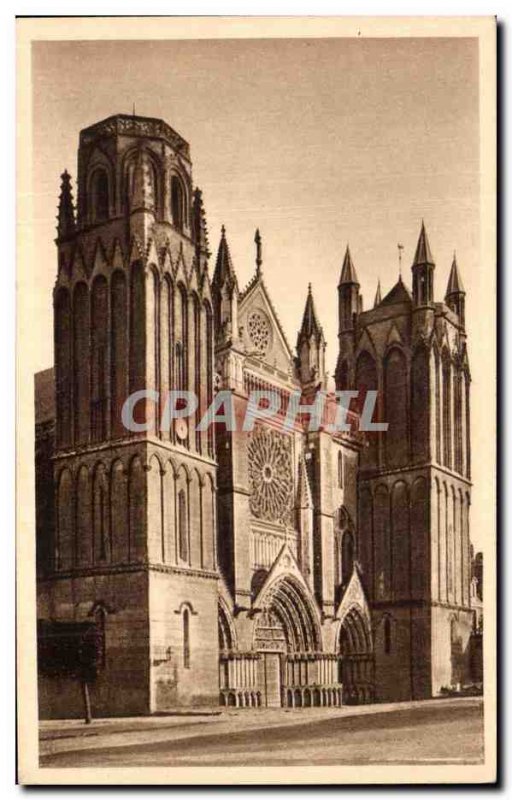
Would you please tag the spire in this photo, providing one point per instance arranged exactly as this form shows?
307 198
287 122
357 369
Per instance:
199 228
423 253
455 295
348 271
454 281
259 260
310 325
423 272
378 296
224 266
311 346
66 212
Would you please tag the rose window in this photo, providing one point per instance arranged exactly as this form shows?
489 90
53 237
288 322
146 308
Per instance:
259 331
270 475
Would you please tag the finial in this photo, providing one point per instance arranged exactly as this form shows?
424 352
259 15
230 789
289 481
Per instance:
257 239
223 231
400 248
133 112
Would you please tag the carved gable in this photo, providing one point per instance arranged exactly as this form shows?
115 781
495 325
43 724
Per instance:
261 330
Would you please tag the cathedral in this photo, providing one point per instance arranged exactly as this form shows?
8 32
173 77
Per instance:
262 568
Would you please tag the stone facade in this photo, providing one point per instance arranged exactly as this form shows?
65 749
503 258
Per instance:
253 568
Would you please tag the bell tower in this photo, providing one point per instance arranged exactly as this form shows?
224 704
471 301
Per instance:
135 512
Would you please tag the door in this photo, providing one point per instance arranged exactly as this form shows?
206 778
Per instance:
271 663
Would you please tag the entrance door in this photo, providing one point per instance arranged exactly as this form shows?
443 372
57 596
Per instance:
271 663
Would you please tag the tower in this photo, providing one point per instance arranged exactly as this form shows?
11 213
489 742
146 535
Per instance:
311 347
455 297
423 271
349 306
414 482
135 531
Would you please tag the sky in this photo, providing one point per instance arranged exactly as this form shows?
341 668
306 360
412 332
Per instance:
318 142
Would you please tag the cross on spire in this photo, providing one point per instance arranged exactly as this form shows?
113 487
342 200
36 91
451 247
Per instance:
259 260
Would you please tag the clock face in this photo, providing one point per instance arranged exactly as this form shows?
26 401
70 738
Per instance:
181 428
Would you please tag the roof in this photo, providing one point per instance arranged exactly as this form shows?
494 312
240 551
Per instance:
132 125
223 266
348 271
454 281
310 325
398 294
423 253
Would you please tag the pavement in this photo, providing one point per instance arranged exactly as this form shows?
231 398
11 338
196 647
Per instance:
444 731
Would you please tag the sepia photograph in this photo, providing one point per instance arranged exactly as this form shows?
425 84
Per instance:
256 293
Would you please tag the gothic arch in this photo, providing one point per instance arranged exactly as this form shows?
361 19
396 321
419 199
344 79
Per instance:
355 652
100 188
63 365
287 600
183 515
83 517
382 549
119 512
166 347
137 326
81 362
119 350
181 337
365 536
437 400
227 631
156 509
64 556
420 525
137 509
196 518
446 370
208 359
395 395
345 548
420 403
99 358
178 200
366 380
153 313
154 168
102 550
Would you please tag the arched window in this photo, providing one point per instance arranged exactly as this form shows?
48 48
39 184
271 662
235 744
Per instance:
177 202
447 411
347 556
395 380
182 526
186 639
340 470
387 635
99 196
366 380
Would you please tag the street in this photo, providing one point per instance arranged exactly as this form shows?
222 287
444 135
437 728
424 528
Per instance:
446 731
